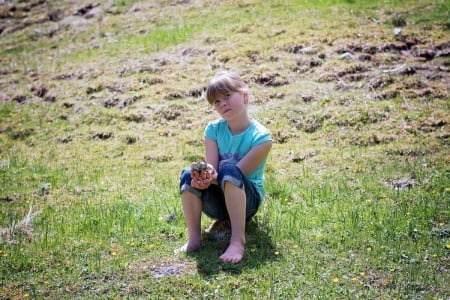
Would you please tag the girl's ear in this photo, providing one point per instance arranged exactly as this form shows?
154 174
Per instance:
245 94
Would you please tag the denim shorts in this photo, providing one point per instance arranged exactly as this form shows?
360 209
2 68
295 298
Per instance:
213 200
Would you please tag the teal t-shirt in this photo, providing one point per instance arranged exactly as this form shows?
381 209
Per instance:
233 147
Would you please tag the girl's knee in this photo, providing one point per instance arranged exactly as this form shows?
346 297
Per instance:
228 170
185 175
230 173
185 178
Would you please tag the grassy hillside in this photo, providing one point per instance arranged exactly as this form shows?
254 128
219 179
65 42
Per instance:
101 107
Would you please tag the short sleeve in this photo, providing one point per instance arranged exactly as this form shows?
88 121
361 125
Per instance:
211 130
262 134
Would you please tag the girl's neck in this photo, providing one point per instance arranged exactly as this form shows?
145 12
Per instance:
239 126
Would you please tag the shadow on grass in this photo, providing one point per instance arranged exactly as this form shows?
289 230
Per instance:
259 250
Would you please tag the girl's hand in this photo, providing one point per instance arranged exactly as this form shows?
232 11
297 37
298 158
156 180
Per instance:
202 179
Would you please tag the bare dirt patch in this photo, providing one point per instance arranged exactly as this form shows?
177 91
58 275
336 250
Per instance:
163 267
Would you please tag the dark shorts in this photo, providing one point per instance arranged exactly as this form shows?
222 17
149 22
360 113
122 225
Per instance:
213 199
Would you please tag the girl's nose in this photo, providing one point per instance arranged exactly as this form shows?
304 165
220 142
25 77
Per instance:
222 102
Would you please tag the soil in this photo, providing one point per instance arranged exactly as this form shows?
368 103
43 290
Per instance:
410 64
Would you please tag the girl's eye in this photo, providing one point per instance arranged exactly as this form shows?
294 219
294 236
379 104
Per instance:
224 97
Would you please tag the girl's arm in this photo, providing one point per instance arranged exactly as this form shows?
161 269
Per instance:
212 157
212 153
254 157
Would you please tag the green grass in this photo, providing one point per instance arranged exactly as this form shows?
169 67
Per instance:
107 215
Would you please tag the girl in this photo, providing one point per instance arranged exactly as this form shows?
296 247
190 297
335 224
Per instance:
231 187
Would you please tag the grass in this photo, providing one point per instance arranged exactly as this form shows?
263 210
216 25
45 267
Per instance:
357 182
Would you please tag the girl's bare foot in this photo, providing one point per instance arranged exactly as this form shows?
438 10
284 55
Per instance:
234 253
188 247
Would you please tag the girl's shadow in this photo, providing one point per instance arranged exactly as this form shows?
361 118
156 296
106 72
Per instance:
259 249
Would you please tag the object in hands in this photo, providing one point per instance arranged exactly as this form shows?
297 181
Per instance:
201 166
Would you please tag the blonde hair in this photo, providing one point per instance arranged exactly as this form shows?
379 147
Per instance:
224 83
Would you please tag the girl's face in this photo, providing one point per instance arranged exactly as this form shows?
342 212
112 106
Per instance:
232 105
